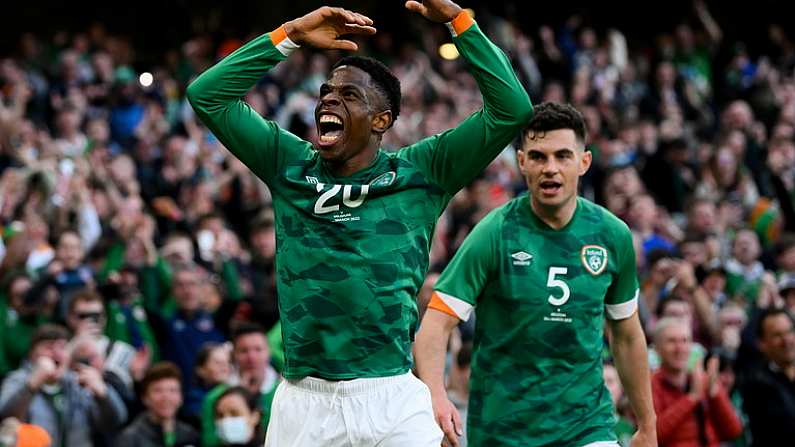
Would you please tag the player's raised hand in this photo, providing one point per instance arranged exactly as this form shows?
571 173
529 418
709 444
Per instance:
449 420
439 11
323 27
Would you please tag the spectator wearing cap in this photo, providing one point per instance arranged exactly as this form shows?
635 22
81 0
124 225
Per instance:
158 426
72 402
693 408
768 389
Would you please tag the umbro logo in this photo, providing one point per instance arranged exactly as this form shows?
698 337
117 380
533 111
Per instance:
522 258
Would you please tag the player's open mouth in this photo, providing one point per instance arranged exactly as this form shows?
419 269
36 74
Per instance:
550 187
330 129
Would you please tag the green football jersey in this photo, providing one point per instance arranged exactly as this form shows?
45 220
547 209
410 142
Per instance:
540 296
352 252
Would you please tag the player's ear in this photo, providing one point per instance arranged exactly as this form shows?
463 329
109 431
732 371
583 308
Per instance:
382 121
585 161
521 158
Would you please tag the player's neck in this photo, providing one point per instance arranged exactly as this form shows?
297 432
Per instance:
359 162
556 217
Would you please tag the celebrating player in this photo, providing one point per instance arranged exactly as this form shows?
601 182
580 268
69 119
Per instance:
540 272
354 223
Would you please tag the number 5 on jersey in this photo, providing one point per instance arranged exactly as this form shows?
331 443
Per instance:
553 281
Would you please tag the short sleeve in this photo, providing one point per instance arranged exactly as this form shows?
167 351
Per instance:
621 300
462 282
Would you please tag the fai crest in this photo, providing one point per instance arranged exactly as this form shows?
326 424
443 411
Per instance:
594 258
384 179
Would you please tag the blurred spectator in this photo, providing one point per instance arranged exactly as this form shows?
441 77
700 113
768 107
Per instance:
191 326
768 390
237 418
18 321
251 355
692 407
213 368
744 270
157 426
87 317
70 400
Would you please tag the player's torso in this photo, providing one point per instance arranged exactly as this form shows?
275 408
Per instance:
552 283
351 254
537 365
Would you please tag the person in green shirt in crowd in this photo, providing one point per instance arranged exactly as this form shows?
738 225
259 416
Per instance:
251 356
17 321
158 426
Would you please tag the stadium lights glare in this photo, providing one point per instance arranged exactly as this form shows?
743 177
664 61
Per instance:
448 51
146 79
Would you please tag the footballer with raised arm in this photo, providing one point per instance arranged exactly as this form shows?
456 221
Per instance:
353 222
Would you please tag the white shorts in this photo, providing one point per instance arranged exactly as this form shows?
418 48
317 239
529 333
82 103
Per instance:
385 412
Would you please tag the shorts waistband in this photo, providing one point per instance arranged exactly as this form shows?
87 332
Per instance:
348 387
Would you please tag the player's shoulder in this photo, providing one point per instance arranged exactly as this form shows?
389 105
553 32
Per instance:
600 217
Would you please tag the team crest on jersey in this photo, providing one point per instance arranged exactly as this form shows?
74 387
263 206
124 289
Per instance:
522 258
384 179
594 258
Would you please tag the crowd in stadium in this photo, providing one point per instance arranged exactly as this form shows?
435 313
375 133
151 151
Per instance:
137 294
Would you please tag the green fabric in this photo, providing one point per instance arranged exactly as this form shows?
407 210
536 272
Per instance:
624 431
276 345
169 438
114 260
540 297
155 284
208 435
737 285
116 328
353 251
15 335
231 278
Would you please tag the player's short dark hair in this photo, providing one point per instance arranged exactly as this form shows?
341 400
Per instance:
160 371
385 81
549 116
247 328
768 313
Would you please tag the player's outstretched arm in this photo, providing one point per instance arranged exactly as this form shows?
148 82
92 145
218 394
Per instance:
216 94
628 345
453 158
430 349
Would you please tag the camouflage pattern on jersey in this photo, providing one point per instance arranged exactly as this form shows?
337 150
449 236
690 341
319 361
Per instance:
352 252
536 375
348 270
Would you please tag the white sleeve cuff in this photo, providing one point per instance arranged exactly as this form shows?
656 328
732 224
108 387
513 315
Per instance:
623 310
462 309
287 46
